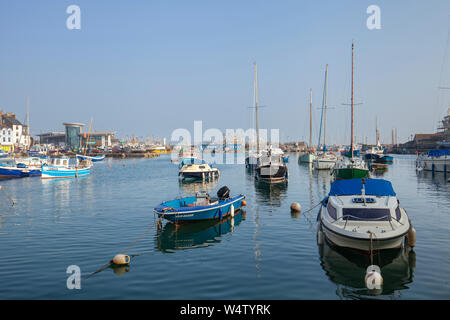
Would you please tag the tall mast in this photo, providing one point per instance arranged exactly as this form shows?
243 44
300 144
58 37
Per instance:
325 109
28 116
256 109
310 119
351 147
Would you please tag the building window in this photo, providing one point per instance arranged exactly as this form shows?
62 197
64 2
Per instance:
4 140
9 139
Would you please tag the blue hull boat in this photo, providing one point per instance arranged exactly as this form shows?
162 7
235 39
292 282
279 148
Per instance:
199 208
16 172
93 159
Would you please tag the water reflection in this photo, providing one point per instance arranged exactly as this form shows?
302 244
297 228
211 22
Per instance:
433 178
195 235
197 186
347 269
271 194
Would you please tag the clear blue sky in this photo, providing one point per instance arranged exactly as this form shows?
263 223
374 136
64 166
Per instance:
147 67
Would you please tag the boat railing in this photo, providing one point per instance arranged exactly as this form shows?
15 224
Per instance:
363 219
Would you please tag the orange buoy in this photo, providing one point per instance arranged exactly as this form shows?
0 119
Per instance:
244 203
109 166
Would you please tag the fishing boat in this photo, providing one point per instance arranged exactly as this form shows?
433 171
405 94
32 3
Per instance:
434 160
91 158
309 156
196 169
4 154
325 161
363 214
200 207
271 168
59 167
350 167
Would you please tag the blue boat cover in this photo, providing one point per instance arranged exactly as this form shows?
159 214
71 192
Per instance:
438 153
373 187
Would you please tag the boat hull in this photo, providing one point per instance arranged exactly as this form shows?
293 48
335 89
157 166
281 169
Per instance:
441 164
272 174
307 158
55 173
362 244
350 173
219 211
323 164
18 172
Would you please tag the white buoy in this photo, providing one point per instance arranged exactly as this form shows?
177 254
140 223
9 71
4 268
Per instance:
121 259
373 279
319 235
411 236
232 211
296 207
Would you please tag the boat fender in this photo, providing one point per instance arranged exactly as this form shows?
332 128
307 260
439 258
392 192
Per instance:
373 279
319 235
121 259
411 236
244 203
232 211
220 214
296 207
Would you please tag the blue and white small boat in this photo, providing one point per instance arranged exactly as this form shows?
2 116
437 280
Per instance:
59 168
92 158
200 207
18 170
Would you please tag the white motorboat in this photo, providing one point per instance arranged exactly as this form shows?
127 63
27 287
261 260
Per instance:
324 161
363 214
198 170
271 167
434 160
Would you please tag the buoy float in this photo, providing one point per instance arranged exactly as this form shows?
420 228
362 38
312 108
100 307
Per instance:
121 259
232 211
411 236
373 279
244 203
296 207
109 166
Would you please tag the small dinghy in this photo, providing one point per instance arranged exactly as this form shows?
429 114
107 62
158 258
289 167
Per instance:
200 207
363 214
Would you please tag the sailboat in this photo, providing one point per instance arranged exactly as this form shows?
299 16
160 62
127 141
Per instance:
309 156
351 167
324 160
269 164
252 160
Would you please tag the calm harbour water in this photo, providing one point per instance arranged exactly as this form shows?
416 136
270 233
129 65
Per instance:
264 253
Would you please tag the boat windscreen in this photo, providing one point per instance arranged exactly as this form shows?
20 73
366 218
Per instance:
366 214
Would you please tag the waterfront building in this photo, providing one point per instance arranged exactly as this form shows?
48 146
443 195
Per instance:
101 140
55 138
19 134
73 134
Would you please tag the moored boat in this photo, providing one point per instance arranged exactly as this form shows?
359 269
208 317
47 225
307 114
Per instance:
271 168
200 207
196 169
91 158
59 167
434 160
18 170
325 161
363 214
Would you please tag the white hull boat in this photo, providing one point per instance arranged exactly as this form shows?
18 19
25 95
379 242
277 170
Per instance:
324 161
363 214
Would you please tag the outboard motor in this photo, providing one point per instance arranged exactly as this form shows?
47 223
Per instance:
223 193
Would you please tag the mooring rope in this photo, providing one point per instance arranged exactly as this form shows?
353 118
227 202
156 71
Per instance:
157 222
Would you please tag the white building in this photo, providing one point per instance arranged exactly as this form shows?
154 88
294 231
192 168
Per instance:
19 133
